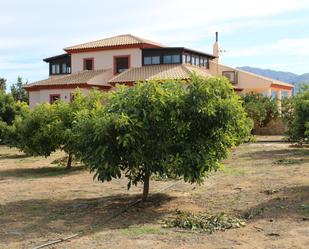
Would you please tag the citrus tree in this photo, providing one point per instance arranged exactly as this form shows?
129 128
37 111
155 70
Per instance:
261 109
49 128
160 128
298 122
9 111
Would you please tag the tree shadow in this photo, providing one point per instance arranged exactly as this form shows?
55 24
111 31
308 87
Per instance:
38 217
39 172
281 153
13 156
287 202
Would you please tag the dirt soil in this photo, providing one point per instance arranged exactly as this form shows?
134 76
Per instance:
267 182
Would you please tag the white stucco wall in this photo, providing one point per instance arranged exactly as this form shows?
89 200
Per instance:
42 96
105 59
246 81
34 98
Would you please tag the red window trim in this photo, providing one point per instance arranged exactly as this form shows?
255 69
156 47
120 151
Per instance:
53 95
121 56
84 63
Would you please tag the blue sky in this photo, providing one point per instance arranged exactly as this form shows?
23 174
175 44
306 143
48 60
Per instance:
270 34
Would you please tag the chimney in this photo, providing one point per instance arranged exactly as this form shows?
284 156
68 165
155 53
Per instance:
216 49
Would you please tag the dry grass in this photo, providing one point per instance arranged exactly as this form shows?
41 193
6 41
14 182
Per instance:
266 182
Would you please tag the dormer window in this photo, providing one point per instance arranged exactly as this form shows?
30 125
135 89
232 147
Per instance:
152 60
66 69
55 69
171 59
89 64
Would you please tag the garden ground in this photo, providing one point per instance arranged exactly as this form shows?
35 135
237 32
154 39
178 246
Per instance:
267 182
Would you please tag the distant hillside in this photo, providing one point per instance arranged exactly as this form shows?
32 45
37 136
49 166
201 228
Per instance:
278 75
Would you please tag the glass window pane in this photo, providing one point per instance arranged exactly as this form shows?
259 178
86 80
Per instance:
155 60
193 60
188 59
64 68
122 64
53 71
57 68
197 61
167 59
176 59
147 60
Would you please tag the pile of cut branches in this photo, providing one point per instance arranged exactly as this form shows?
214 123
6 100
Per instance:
204 222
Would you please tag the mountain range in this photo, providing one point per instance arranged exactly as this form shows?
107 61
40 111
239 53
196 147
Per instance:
288 77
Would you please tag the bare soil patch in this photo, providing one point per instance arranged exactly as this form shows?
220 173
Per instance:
266 182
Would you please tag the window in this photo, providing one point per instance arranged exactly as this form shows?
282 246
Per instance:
171 59
167 59
193 60
66 68
53 98
231 75
188 61
55 68
197 61
155 60
152 60
147 60
121 63
184 59
176 59
89 64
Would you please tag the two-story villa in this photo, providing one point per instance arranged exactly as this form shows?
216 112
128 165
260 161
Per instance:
126 59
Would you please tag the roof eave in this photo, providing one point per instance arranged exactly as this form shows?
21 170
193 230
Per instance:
71 50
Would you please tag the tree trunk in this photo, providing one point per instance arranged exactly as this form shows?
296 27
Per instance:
146 186
69 163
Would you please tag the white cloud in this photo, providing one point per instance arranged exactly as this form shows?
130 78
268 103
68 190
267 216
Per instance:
29 30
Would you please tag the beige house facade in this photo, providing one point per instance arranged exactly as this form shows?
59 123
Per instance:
126 59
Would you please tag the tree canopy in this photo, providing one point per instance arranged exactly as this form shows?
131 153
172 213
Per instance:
153 128
18 92
298 118
9 110
49 127
2 84
261 109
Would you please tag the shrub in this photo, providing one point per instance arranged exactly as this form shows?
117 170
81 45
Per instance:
50 127
260 109
299 117
162 128
9 111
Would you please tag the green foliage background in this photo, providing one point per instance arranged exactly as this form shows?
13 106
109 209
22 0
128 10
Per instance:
298 116
260 109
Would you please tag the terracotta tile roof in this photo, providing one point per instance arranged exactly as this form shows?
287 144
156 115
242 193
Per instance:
106 78
119 40
96 77
159 72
